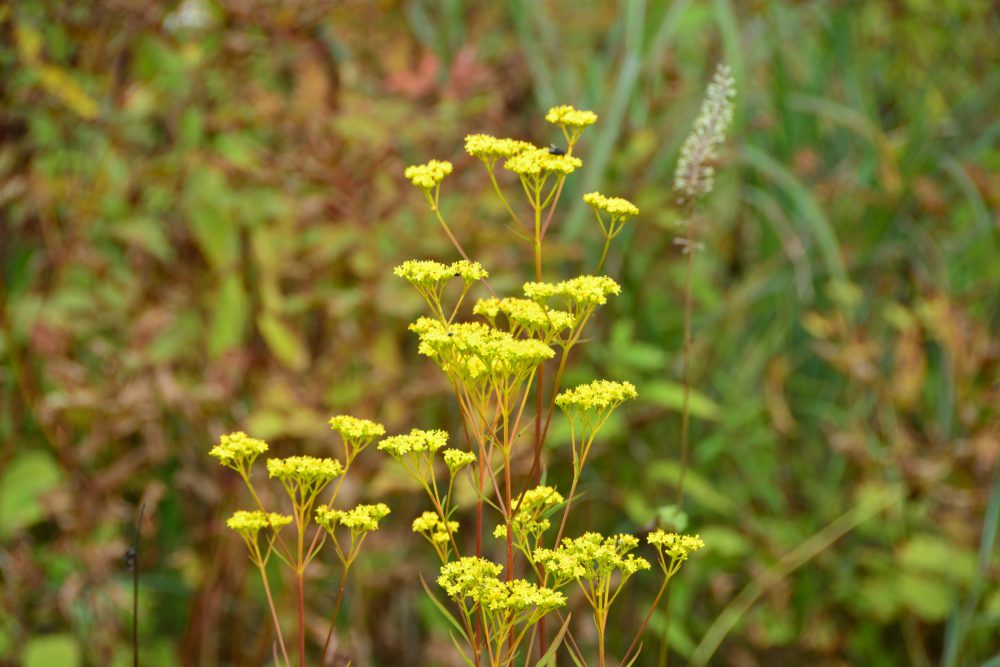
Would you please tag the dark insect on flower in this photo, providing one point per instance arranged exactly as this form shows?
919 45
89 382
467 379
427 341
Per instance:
458 275
555 150
130 559
451 333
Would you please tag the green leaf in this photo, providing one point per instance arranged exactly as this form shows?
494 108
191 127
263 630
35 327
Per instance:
930 599
928 554
206 211
549 658
283 342
52 650
230 316
670 395
27 478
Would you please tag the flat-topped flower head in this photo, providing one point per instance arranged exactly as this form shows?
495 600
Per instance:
424 273
616 207
568 116
467 576
591 557
429 525
579 294
598 395
518 595
675 545
525 315
249 524
456 459
356 429
417 441
238 450
469 272
305 470
539 500
474 352
361 519
540 162
429 175
490 149
694 176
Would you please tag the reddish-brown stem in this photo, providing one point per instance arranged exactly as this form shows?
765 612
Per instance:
645 622
333 618
302 619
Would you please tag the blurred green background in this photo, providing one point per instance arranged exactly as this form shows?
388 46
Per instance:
200 206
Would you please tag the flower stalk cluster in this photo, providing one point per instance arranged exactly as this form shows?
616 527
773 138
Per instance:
493 365
303 479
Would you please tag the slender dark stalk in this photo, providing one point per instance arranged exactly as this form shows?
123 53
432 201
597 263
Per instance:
333 617
133 560
689 248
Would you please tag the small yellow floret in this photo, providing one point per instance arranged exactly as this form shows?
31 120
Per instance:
238 450
570 117
616 207
596 395
361 519
249 524
456 459
352 428
489 148
428 176
677 546
415 442
304 469
580 292
540 161
429 525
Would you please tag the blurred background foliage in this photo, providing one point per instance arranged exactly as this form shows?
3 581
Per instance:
201 202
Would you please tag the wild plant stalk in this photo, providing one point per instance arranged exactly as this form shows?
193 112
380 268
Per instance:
693 179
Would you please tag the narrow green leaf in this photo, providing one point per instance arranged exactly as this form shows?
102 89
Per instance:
283 342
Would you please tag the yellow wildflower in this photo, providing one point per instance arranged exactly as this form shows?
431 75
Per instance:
616 207
489 148
568 116
428 176
238 451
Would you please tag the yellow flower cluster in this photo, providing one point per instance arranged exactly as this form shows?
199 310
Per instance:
592 556
249 524
464 577
361 519
568 116
431 275
304 470
540 162
599 394
525 315
417 441
529 519
358 430
238 451
489 148
579 293
428 176
476 579
429 525
474 352
674 545
456 459
616 207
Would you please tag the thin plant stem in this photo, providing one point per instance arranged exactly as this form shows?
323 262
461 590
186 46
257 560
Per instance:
302 618
336 612
686 357
645 622
274 613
